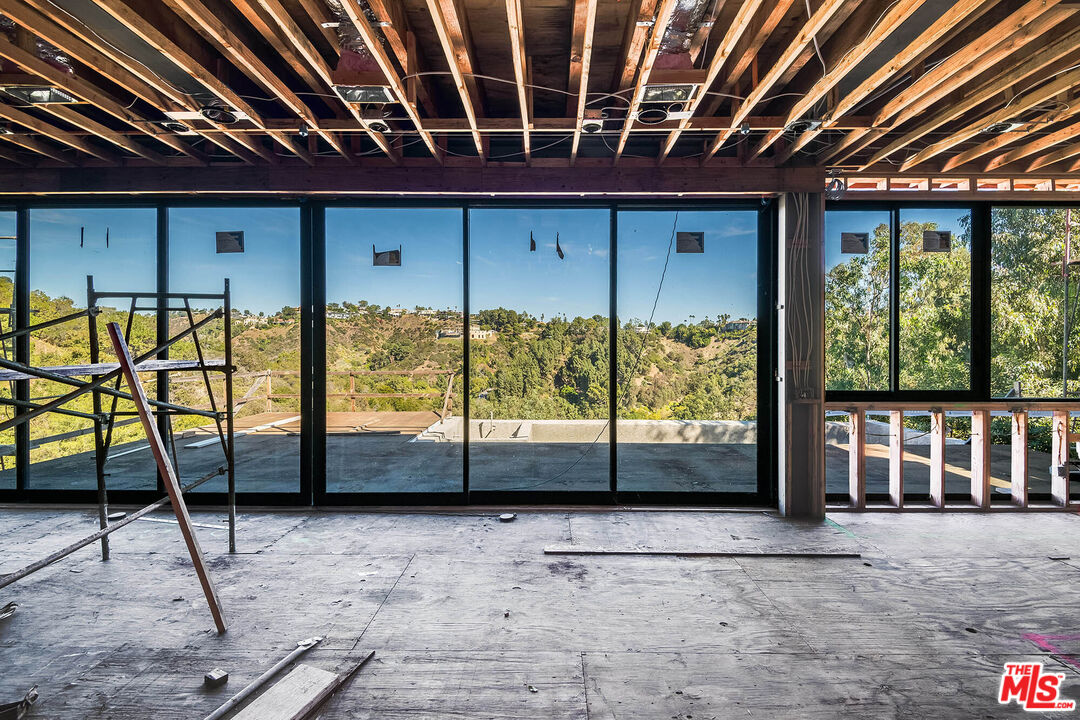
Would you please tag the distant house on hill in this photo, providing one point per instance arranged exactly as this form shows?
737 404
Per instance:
740 324
398 312
449 333
481 334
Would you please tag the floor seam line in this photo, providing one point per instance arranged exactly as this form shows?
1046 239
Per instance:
584 683
385 598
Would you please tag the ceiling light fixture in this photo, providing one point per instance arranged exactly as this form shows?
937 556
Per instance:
364 94
218 114
39 94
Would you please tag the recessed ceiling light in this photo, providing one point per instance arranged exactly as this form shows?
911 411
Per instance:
39 94
668 93
1002 127
364 94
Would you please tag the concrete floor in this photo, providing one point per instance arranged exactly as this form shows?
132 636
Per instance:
918 627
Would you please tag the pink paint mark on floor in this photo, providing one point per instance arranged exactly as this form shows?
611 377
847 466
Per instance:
1049 644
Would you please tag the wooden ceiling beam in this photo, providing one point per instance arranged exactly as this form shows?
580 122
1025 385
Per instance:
1043 57
12 157
303 45
806 34
130 19
320 15
34 145
652 50
959 13
396 85
82 89
449 26
516 26
858 42
1023 103
395 26
1059 155
641 17
1038 145
581 49
52 132
211 27
724 50
1031 21
70 115
763 28
1007 138
268 29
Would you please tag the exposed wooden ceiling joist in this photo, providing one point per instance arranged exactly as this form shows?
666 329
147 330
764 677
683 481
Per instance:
448 19
52 132
1038 145
516 25
581 49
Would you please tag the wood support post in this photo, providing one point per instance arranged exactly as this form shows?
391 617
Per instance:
168 472
938 433
857 458
1019 475
1059 459
980 458
896 458
800 341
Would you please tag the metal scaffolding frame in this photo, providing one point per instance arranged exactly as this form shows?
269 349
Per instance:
104 379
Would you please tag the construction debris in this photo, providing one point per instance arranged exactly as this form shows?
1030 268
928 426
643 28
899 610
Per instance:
215 678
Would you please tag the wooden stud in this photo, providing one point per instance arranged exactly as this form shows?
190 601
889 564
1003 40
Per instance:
724 50
581 48
980 458
449 26
857 459
167 472
896 458
1020 458
1059 459
938 433
516 25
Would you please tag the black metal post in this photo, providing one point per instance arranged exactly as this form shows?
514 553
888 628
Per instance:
894 299
613 351
22 342
100 449
162 390
229 413
466 376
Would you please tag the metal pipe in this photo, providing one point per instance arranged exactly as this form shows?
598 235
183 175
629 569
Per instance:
90 539
301 647
49 323
1065 313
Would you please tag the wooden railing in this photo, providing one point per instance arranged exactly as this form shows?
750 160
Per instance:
980 443
266 377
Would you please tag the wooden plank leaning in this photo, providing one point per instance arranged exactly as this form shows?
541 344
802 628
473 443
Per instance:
168 472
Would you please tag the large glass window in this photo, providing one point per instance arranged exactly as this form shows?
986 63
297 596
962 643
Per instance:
394 350
118 247
1033 320
935 299
539 301
7 347
264 275
857 298
687 351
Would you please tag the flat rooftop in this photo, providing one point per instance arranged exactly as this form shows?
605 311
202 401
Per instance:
466 614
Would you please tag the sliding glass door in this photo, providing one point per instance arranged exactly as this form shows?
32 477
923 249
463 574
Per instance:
538 342
394 350
687 395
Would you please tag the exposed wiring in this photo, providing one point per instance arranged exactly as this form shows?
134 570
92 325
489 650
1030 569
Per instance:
817 48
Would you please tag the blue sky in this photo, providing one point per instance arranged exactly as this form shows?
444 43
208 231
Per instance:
266 276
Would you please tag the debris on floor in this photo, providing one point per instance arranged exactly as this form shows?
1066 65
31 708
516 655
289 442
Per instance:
8 610
215 678
507 517
18 710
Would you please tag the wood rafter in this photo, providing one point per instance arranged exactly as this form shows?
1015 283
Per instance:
1007 138
1052 158
960 12
516 25
27 17
134 22
638 21
392 77
856 50
37 146
581 50
257 16
204 21
1041 59
1024 103
52 132
1038 145
391 15
663 17
72 116
448 21
724 50
806 34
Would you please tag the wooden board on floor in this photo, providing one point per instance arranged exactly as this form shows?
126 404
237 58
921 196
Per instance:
293 697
